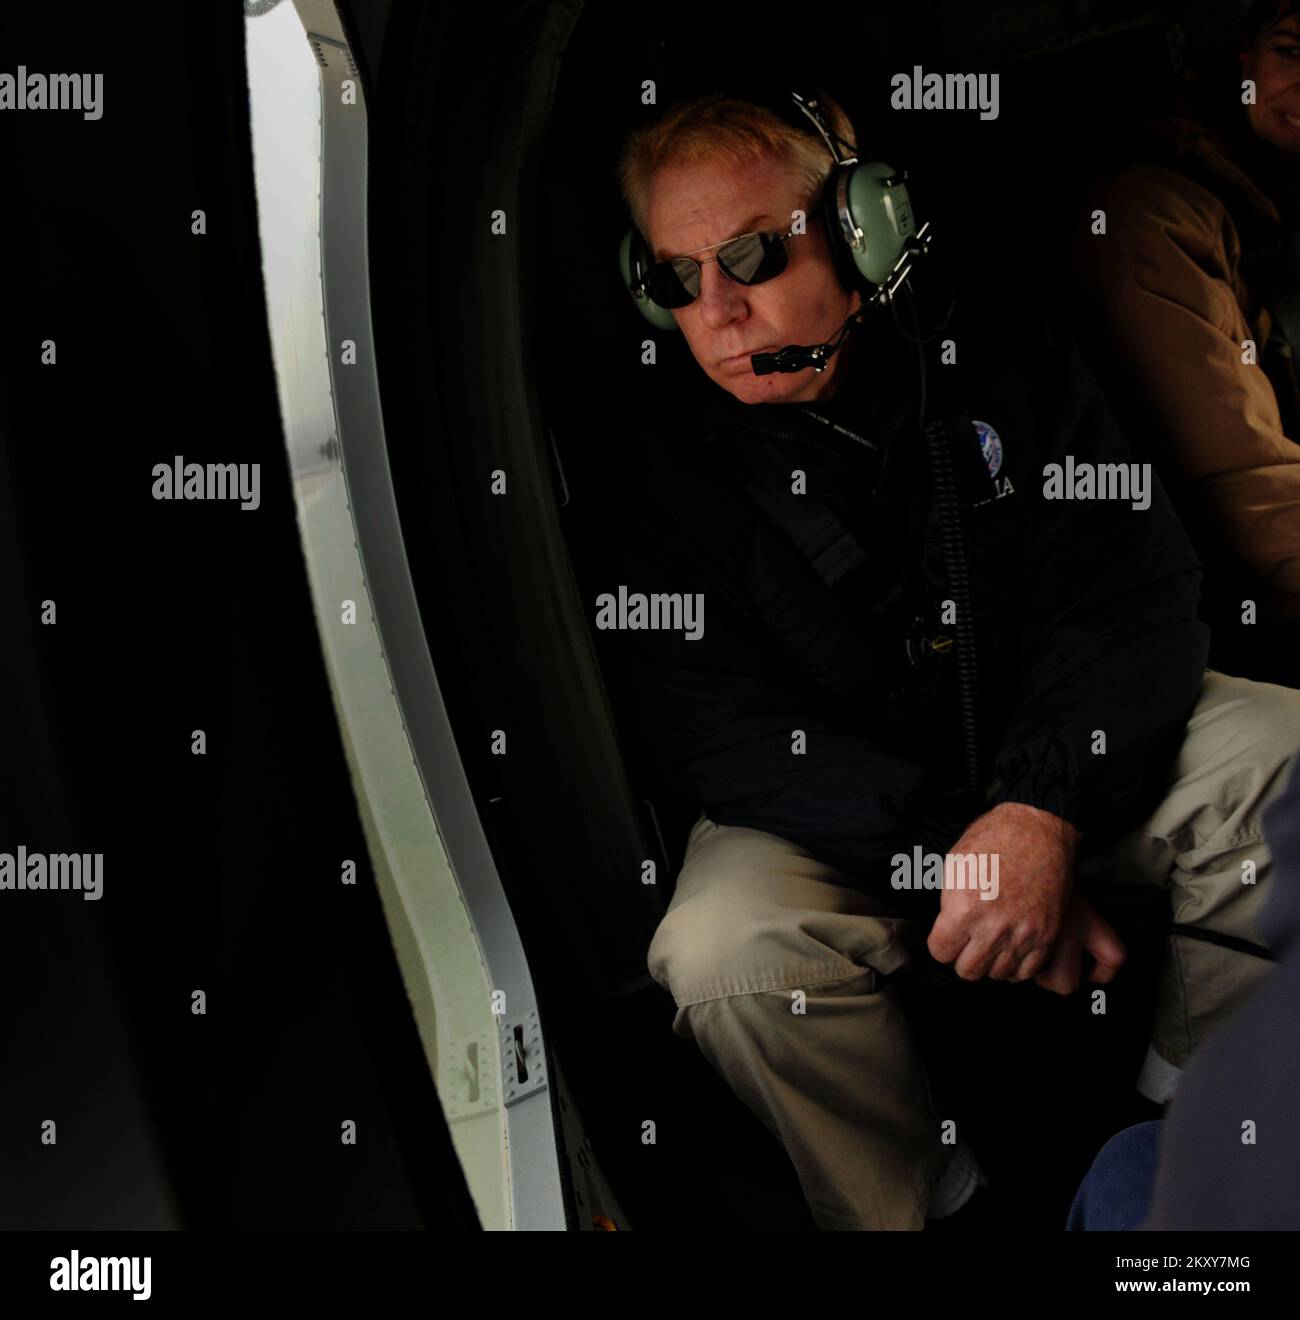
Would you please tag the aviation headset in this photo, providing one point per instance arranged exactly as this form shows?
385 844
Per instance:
865 210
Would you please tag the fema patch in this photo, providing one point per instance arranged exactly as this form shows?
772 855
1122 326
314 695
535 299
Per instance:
990 446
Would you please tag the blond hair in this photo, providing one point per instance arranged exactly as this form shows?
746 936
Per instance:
724 128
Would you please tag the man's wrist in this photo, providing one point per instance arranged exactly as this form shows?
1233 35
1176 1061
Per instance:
1068 833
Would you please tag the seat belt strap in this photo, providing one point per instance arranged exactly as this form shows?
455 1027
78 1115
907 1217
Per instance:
806 521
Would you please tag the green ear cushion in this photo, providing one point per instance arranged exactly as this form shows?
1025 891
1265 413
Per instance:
885 217
659 317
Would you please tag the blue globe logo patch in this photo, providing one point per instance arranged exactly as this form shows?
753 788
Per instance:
990 446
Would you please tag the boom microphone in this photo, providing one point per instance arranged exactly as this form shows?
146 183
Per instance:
795 357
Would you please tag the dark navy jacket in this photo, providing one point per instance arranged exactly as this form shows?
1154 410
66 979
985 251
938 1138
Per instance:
1085 611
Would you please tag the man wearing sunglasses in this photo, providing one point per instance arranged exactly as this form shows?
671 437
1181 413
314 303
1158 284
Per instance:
729 300
820 720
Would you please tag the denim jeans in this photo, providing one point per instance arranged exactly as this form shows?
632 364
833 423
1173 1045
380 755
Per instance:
1115 1194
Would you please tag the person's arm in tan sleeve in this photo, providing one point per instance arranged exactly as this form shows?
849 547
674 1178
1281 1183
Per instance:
1158 283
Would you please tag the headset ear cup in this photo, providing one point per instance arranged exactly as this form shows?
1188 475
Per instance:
634 258
879 206
841 254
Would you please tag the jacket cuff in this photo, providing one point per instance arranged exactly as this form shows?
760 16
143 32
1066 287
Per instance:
1042 784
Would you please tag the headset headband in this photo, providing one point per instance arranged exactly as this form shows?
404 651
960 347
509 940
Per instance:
800 108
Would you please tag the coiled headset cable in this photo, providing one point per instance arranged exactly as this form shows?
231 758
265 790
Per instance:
952 537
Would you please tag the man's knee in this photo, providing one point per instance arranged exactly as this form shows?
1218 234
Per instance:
698 942
1261 719
1237 746
680 954
710 948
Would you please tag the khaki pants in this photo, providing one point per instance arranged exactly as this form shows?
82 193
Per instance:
833 1072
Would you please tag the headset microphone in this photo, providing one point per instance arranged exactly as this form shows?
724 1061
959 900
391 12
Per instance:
796 357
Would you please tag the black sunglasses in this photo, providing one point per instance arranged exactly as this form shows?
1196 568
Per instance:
749 259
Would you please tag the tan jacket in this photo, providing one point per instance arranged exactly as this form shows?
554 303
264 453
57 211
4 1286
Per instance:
1164 300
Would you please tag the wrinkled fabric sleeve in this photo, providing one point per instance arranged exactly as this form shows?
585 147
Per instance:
1158 288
